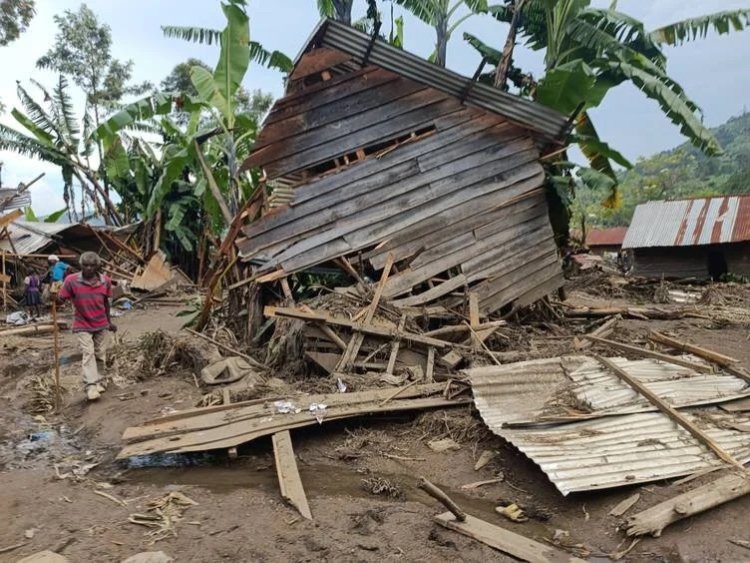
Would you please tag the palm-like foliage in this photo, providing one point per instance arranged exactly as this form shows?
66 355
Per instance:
439 14
588 51
50 132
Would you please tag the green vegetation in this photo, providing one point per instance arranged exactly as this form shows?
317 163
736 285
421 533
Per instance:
679 173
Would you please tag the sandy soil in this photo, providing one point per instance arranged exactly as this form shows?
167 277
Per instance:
240 516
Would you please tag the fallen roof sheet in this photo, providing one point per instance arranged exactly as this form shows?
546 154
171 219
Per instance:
28 237
335 35
690 222
588 430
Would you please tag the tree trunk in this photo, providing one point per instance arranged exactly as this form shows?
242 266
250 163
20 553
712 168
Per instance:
343 9
503 66
441 40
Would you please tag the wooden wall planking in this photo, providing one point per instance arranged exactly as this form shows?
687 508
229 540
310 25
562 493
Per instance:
375 192
372 173
382 222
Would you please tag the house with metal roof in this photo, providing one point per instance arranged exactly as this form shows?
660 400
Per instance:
600 241
691 238
379 157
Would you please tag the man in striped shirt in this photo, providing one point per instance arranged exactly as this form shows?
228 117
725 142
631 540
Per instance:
90 292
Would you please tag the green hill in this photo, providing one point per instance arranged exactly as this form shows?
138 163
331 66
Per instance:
679 173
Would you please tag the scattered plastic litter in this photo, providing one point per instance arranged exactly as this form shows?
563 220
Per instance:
340 385
286 407
318 411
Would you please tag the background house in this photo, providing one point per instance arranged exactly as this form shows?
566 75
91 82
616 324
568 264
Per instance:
700 238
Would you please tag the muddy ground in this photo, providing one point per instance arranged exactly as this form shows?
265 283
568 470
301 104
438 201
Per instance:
240 516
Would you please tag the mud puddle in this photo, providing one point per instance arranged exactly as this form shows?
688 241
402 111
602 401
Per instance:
320 481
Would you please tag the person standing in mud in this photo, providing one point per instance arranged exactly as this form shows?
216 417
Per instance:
90 292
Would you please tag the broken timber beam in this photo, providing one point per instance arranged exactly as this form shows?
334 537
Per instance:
653 520
372 330
395 347
701 368
518 546
601 331
710 355
672 413
355 343
290 483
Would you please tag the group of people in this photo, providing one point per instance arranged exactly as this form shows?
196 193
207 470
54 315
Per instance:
34 283
90 291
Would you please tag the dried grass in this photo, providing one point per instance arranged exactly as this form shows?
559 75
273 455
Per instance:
163 515
42 394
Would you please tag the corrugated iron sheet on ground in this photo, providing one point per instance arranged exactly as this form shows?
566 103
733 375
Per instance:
690 222
620 443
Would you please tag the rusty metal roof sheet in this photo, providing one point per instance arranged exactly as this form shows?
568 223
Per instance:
690 222
335 35
606 237
588 430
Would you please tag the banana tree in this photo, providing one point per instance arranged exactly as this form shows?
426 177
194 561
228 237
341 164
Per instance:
439 14
51 132
589 51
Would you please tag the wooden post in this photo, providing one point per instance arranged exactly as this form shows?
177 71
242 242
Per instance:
56 336
5 288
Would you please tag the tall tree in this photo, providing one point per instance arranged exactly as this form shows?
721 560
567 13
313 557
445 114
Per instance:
83 51
15 17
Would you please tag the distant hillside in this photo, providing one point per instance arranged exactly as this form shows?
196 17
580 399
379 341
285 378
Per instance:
679 173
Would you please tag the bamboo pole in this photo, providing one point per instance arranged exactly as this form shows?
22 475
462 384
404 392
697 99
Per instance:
5 286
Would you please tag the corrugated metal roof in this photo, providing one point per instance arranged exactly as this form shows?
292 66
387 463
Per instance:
29 237
531 404
16 201
690 222
335 35
606 237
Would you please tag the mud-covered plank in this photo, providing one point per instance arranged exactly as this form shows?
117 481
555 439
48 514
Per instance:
286 469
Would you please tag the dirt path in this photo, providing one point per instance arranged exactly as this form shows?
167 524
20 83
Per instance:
239 515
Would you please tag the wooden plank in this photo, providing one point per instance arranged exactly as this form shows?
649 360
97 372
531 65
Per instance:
322 93
316 61
701 368
605 329
327 206
511 249
672 413
451 359
223 432
373 330
474 321
290 482
378 224
435 234
518 546
430 371
652 521
304 127
398 124
352 349
461 125
4 278
328 141
683 346
395 347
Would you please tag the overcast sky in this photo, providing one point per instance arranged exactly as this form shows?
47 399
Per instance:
715 72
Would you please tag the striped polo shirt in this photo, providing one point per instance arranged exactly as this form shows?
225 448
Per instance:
89 299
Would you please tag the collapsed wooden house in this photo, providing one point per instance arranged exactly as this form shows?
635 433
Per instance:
376 152
691 238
